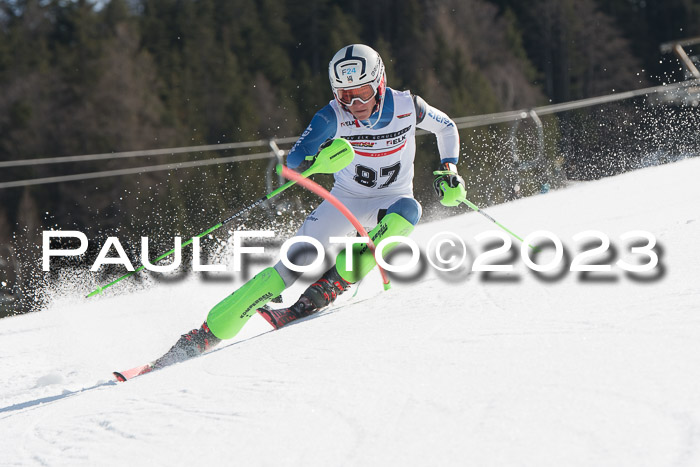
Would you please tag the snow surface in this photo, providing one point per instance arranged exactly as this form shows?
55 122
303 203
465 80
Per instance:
451 369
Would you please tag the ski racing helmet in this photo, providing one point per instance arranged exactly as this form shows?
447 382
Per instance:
357 72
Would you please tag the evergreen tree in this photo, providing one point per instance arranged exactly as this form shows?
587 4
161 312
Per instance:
137 74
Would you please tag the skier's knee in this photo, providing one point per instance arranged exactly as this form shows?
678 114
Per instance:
362 260
408 208
288 276
300 254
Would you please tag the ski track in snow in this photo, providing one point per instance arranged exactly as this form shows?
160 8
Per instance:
447 370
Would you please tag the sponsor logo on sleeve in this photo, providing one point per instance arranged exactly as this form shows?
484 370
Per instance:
301 138
440 118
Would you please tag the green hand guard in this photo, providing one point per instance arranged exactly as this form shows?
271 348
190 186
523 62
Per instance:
333 156
449 186
451 196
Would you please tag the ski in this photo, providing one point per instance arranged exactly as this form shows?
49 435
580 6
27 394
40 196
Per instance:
190 345
122 376
281 317
277 318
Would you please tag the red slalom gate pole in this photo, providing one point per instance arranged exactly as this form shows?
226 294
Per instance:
323 193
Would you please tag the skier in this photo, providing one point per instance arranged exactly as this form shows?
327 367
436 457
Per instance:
377 187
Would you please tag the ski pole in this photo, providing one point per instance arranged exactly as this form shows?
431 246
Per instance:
483 213
206 232
335 156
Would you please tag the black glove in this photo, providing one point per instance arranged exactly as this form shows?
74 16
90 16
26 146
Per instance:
449 185
310 160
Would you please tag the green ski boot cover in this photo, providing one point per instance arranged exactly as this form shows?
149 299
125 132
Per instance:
362 258
229 315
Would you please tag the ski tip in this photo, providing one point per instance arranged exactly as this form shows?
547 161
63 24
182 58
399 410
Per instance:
125 375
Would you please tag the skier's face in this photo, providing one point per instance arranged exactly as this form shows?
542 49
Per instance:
361 111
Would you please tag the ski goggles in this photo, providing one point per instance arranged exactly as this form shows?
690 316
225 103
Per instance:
364 94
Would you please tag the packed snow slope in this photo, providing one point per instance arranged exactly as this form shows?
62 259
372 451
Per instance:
443 369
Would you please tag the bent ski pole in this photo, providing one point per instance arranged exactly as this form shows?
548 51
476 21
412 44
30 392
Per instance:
483 213
323 193
332 158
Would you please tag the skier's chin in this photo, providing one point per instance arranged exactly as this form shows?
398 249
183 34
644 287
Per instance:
361 111
364 115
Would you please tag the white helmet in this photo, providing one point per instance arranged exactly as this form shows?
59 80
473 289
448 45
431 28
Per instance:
357 73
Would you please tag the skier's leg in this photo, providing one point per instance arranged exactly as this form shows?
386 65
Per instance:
363 260
408 208
229 315
399 220
226 318
324 222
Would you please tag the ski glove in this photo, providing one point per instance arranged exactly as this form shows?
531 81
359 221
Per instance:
310 160
449 186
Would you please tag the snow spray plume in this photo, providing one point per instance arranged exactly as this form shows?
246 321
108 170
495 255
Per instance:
334 157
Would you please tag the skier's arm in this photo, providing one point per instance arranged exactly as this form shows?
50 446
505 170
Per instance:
437 122
322 127
449 186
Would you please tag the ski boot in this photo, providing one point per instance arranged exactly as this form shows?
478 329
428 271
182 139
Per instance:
190 345
318 295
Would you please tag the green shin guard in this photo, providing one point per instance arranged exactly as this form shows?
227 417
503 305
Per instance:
229 315
362 257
